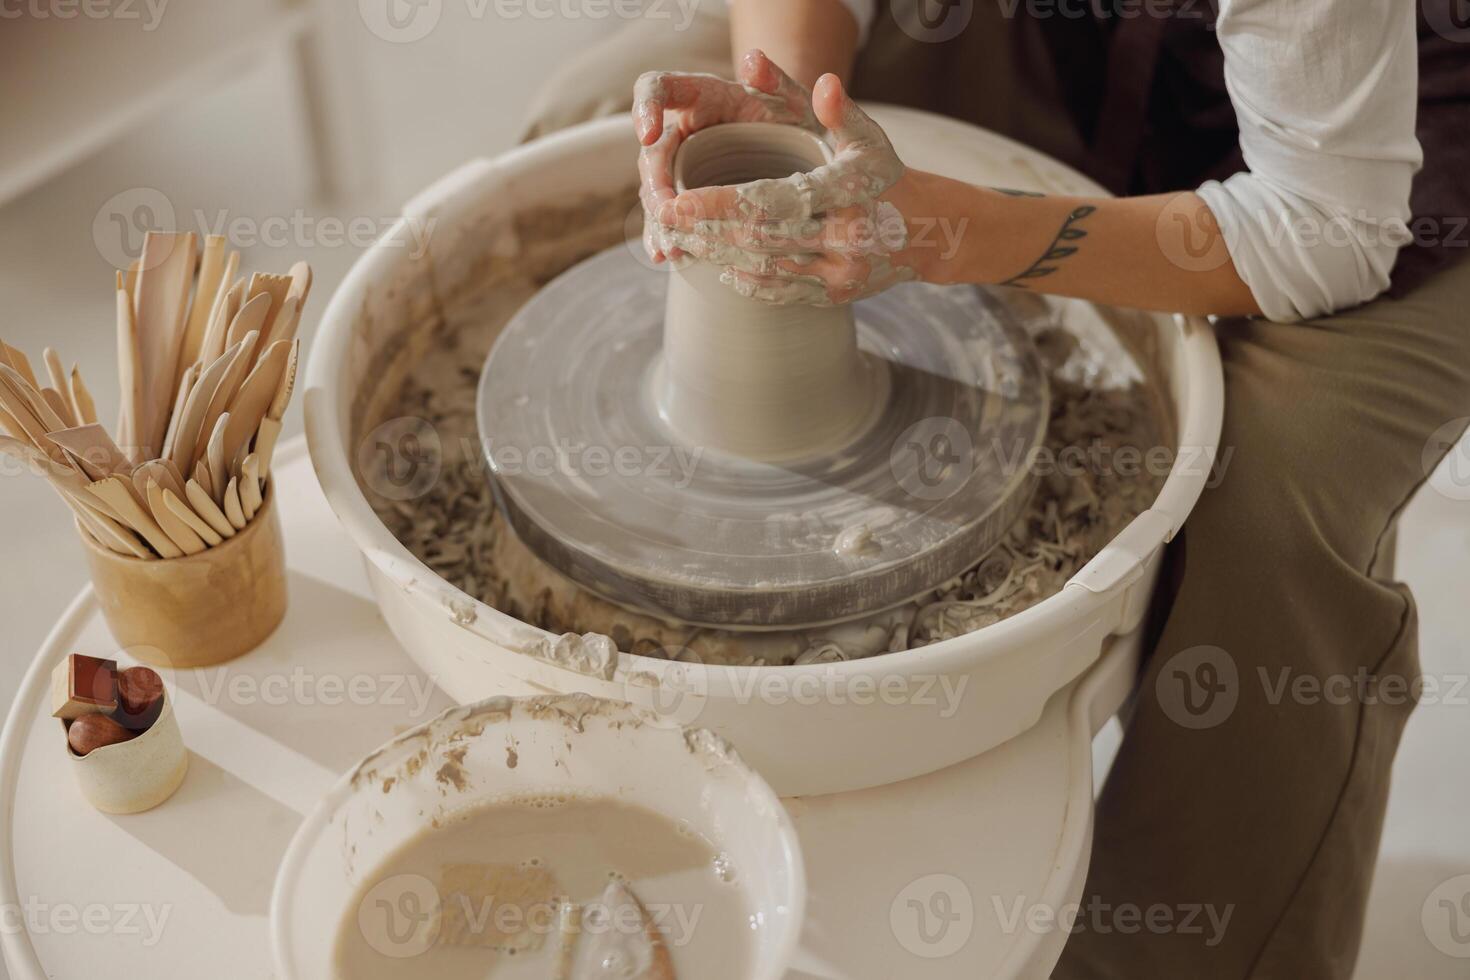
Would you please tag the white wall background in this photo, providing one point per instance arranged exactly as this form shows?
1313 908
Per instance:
239 148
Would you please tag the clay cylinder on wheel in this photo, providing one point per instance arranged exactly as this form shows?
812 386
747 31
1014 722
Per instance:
738 375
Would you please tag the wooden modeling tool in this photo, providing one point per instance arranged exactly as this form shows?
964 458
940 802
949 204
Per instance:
93 447
233 510
159 471
19 362
254 398
288 384
175 527
206 368
206 290
276 287
196 411
186 385
250 487
81 398
117 493
130 375
252 317
202 477
215 452
265 443
224 392
196 523
208 510
160 308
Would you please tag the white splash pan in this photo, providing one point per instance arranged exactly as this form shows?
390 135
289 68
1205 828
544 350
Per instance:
809 730
563 745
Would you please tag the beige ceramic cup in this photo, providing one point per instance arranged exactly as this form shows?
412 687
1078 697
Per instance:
136 775
201 609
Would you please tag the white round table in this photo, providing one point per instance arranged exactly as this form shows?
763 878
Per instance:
963 872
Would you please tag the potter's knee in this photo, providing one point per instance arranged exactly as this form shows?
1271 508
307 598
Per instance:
1258 521
1275 504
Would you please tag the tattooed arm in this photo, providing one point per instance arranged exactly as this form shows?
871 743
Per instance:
865 222
1159 252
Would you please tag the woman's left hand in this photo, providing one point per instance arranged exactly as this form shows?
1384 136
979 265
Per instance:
831 236
764 93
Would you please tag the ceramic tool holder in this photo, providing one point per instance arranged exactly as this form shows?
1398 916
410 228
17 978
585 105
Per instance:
135 775
197 610
174 515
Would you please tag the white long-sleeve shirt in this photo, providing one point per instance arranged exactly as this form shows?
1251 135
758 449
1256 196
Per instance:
1325 93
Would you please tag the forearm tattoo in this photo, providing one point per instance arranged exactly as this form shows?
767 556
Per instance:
1057 251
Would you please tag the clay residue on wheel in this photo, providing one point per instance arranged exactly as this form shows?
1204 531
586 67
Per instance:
1101 405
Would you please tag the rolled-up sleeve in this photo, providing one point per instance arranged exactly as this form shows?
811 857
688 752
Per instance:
1324 94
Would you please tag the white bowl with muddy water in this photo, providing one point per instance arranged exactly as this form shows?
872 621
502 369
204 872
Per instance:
553 788
818 728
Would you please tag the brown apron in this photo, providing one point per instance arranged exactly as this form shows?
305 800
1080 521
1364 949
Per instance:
1139 102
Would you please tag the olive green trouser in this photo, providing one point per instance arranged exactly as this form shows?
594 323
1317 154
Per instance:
1254 771
1244 810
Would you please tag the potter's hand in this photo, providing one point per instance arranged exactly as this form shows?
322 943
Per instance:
831 236
669 106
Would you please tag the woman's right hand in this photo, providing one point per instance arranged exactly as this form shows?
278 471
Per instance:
669 106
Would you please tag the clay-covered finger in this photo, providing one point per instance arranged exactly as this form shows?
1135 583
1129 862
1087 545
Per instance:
864 164
712 248
847 183
657 91
846 278
855 230
767 237
777 290
842 278
784 199
864 230
852 179
702 204
651 246
775 237
849 125
656 170
759 72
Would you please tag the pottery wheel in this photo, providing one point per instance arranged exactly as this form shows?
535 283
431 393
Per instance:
599 484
